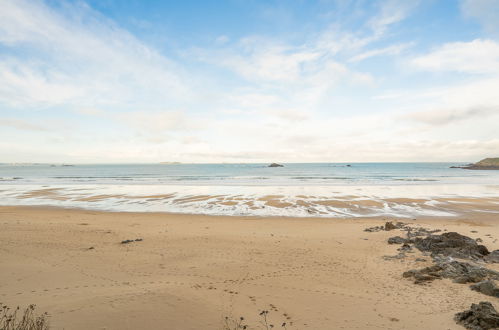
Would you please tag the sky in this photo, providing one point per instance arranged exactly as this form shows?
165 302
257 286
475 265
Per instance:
113 81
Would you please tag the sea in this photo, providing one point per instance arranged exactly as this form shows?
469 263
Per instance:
297 190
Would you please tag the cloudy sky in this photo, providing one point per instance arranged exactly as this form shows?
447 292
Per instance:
102 81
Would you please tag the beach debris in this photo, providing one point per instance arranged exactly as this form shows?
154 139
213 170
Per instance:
453 245
127 241
275 165
91 248
459 272
487 287
480 316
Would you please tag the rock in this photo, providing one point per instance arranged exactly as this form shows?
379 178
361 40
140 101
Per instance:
451 244
484 164
419 232
390 226
492 257
480 316
486 287
405 247
400 255
459 272
374 229
131 240
396 240
275 165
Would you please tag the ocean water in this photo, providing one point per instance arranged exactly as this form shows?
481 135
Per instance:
318 189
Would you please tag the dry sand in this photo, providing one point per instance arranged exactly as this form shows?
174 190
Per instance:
191 271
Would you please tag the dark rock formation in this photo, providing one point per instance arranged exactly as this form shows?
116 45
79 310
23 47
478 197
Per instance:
459 272
486 287
275 165
419 232
374 229
484 164
396 240
451 244
127 241
481 316
390 226
492 257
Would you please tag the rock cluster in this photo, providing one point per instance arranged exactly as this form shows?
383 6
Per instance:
443 248
480 316
127 241
387 227
452 245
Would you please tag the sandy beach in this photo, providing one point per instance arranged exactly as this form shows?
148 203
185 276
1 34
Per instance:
192 271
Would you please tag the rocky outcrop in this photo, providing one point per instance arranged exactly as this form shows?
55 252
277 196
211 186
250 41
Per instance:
453 245
481 316
486 287
275 165
459 272
492 257
397 240
484 164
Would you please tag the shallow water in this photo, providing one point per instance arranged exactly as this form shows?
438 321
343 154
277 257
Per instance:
326 190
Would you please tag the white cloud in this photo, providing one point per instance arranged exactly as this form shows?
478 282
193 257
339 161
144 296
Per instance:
154 122
485 11
476 57
21 124
391 12
390 50
259 99
447 116
77 57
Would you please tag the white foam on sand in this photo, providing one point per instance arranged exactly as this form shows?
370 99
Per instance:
295 201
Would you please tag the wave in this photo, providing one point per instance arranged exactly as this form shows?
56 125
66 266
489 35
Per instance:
256 201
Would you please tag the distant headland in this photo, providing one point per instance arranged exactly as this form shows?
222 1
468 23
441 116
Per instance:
484 164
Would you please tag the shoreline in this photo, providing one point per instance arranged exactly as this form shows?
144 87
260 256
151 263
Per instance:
191 271
395 201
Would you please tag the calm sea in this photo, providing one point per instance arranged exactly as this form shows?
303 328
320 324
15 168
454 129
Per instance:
318 189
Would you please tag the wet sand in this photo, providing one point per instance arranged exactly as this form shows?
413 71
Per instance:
191 271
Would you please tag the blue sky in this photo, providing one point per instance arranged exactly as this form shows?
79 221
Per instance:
248 81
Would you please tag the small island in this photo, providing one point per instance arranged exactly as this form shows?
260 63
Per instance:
275 165
484 164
